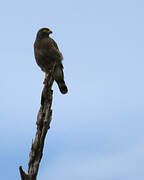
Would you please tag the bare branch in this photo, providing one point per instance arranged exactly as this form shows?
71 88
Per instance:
43 124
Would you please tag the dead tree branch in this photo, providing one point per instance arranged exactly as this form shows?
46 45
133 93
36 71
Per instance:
43 124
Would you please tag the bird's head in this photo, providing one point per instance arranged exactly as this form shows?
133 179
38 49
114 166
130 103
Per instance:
43 32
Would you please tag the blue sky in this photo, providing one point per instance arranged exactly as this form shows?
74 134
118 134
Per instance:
97 128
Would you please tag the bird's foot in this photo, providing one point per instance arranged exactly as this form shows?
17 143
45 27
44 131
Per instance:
46 74
44 82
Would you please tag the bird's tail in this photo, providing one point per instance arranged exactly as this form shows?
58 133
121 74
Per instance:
62 86
59 78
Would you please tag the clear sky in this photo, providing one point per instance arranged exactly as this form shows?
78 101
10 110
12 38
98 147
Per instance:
97 128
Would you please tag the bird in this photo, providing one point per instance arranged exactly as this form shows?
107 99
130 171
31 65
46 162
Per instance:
48 57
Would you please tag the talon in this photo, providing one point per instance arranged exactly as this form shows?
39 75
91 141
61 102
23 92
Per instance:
44 82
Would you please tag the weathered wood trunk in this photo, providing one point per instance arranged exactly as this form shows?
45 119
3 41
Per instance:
43 124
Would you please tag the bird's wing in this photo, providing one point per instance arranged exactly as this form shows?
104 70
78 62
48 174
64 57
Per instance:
54 43
54 48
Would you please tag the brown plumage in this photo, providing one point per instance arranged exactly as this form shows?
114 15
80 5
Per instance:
47 56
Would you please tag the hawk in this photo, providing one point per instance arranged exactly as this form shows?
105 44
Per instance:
48 56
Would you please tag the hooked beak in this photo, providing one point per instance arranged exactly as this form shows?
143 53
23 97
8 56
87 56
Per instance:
49 31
